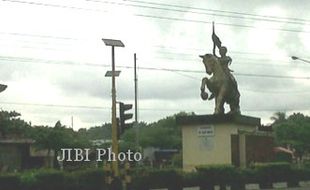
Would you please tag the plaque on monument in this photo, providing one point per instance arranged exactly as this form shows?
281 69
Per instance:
206 131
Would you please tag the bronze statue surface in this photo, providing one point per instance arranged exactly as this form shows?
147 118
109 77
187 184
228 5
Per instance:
221 84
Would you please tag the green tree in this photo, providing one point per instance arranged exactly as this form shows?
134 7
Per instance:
97 132
129 138
11 124
294 131
55 138
278 117
163 133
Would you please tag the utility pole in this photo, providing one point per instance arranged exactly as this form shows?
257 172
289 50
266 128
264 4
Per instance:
136 88
136 100
113 44
72 122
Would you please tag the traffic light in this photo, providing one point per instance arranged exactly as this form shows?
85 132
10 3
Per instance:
123 117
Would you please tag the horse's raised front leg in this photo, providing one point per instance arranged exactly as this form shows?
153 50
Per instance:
203 93
203 84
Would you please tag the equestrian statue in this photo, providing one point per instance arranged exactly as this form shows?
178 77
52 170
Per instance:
222 84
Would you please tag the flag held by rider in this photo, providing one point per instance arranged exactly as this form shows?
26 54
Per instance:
216 40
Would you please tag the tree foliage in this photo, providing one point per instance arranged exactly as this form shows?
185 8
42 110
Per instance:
294 131
11 124
57 137
278 117
97 132
163 133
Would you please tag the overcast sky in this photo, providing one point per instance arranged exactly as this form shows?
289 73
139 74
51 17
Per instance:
53 60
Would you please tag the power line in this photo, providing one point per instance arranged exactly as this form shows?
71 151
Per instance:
47 61
237 74
161 52
277 92
77 106
256 61
190 20
195 12
246 61
219 23
143 109
159 69
203 49
53 5
178 72
54 105
244 58
44 42
169 18
37 48
66 38
272 76
187 76
221 11
37 35
76 39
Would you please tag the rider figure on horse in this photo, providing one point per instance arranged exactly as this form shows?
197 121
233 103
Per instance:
224 60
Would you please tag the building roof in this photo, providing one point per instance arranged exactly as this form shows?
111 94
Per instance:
213 119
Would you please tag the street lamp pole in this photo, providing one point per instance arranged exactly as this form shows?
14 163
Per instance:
113 44
114 124
2 87
304 60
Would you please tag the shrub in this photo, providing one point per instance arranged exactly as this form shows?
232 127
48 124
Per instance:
217 174
267 173
302 174
50 179
190 179
140 177
71 182
92 179
28 180
165 178
149 178
157 178
248 175
10 181
306 164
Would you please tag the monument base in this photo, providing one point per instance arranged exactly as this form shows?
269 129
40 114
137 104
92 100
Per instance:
219 139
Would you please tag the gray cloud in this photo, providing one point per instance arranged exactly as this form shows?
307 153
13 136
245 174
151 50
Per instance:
83 83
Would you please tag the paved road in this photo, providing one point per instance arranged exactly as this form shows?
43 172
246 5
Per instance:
291 188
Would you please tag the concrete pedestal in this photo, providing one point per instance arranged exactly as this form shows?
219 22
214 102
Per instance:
215 139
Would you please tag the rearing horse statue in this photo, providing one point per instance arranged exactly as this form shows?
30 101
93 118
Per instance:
222 85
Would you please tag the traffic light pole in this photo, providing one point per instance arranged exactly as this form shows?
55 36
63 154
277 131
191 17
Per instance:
114 43
114 124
